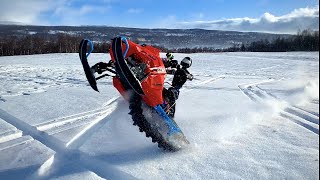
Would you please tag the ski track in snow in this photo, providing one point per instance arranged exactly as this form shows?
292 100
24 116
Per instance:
68 152
76 157
26 82
198 85
287 111
72 121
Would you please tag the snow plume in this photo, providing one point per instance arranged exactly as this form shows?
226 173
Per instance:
298 19
305 88
246 118
231 126
309 92
312 89
275 107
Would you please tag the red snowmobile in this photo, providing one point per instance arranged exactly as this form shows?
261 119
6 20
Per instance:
138 74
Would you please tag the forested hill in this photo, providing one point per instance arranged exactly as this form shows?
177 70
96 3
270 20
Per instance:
169 38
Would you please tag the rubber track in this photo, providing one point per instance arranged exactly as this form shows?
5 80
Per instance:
139 120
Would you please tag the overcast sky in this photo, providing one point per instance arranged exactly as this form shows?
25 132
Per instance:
276 16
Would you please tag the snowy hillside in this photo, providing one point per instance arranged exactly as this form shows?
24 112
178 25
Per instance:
246 115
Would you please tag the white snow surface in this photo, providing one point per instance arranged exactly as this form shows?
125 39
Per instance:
246 115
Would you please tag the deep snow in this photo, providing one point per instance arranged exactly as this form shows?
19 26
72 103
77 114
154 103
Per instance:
246 115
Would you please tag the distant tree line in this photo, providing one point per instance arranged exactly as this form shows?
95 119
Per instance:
37 44
305 40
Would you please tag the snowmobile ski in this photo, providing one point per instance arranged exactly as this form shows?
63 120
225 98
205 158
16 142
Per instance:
84 61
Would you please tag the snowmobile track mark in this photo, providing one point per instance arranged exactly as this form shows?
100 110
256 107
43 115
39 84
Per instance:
9 135
292 113
74 120
15 142
82 136
198 85
2 99
67 152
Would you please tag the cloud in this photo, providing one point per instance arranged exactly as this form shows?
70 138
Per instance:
298 19
135 11
61 12
68 11
166 22
23 11
69 15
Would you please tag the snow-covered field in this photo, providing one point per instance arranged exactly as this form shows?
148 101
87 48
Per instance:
246 115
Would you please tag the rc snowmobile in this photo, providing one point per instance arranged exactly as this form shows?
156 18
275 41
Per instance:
138 73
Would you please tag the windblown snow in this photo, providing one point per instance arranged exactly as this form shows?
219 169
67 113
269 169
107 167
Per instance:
246 115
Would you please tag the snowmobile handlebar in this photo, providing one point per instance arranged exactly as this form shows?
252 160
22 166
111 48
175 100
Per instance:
190 77
102 67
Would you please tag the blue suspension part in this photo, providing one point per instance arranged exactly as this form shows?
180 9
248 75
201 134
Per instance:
172 127
124 39
91 47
